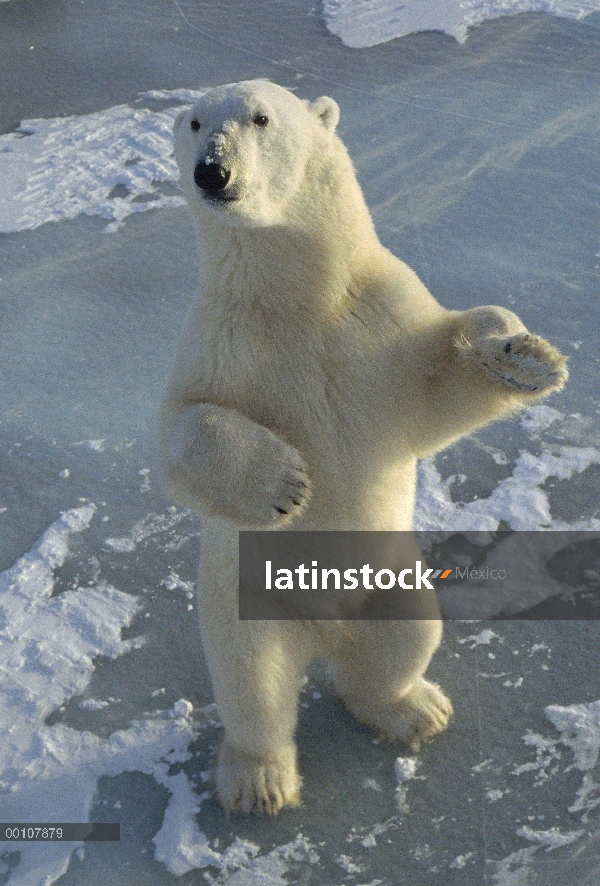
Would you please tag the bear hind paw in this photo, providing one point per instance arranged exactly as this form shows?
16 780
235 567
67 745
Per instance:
256 784
415 717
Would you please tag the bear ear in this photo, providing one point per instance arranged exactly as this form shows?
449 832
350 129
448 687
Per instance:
328 111
178 119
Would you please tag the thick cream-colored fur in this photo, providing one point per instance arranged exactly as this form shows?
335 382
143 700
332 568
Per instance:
315 369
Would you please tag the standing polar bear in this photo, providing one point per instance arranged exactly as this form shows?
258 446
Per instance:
314 371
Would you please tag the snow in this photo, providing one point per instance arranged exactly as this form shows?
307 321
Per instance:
461 860
551 839
347 865
48 643
242 865
146 528
580 728
405 768
540 417
180 845
482 639
93 704
366 23
109 163
517 500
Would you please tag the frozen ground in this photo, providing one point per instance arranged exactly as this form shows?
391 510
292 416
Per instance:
479 161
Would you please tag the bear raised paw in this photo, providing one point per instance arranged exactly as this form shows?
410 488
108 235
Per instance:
314 370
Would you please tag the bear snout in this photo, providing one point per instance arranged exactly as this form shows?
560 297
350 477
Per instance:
211 176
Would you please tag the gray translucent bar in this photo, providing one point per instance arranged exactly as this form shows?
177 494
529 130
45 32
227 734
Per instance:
376 576
44 832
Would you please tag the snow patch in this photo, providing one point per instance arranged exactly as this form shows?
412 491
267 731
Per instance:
514 870
551 839
587 797
537 647
405 769
346 863
110 163
461 860
180 845
93 704
242 865
364 23
517 500
185 96
94 445
151 525
372 785
482 639
48 644
546 754
174 583
579 725
539 418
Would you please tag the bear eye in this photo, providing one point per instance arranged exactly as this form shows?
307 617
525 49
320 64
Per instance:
261 120
195 125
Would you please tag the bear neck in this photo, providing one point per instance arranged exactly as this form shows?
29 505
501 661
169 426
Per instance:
309 263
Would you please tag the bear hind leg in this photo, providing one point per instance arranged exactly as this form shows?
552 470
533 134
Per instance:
257 670
378 673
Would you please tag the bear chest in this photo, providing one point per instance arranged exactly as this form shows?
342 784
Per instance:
263 364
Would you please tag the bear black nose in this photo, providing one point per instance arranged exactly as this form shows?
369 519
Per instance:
211 176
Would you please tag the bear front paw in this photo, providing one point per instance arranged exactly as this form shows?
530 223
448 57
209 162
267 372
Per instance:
524 362
277 486
257 784
290 490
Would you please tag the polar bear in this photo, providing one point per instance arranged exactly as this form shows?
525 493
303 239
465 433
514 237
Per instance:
315 369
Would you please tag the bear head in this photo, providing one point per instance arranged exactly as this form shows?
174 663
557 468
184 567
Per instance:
243 149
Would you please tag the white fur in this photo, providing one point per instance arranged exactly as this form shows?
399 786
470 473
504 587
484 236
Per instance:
314 370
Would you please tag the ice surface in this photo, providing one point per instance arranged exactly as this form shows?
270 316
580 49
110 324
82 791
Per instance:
480 164
579 727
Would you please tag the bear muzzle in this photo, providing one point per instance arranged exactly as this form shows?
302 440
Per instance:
211 177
